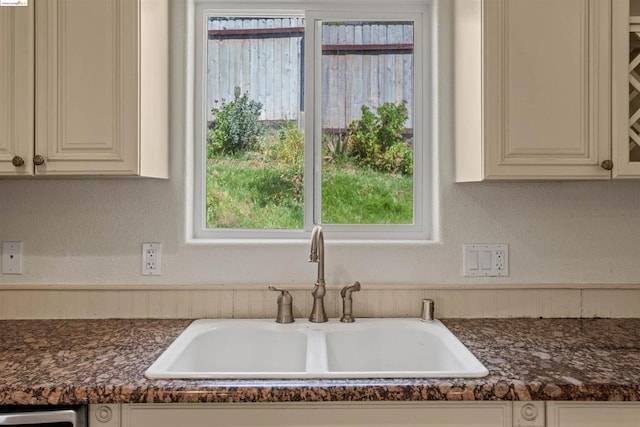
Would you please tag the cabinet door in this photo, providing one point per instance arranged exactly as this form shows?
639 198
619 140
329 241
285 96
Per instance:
87 87
380 414
626 88
546 88
593 414
16 89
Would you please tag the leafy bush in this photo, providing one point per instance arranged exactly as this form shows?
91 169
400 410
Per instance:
376 139
363 138
391 123
399 158
236 127
287 153
287 148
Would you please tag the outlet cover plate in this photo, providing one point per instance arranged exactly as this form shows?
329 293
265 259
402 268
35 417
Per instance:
11 257
486 260
152 259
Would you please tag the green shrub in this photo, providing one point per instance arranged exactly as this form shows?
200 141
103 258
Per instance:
392 118
334 148
399 158
287 147
362 137
376 139
236 127
283 150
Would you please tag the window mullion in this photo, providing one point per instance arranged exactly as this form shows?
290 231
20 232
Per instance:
317 137
313 124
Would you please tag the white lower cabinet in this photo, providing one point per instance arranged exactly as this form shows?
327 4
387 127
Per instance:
370 414
593 414
381 414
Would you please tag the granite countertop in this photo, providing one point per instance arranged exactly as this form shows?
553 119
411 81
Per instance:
103 361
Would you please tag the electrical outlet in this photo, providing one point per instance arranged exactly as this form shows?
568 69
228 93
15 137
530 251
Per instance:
11 257
486 260
151 259
499 260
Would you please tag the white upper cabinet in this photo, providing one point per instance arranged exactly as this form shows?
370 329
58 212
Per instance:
16 90
101 89
532 89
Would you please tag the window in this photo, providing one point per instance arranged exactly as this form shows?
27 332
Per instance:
315 116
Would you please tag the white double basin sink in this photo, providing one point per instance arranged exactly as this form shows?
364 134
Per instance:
263 349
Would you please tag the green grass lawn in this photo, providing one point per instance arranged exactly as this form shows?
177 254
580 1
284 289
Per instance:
253 195
362 196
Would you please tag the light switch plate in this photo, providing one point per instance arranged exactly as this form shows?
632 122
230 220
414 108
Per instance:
486 260
11 257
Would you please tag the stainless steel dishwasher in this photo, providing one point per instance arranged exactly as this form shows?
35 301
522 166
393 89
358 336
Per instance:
43 416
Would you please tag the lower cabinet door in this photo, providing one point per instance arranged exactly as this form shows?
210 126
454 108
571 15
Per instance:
378 414
593 414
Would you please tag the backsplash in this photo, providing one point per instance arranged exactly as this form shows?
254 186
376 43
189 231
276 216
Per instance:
189 301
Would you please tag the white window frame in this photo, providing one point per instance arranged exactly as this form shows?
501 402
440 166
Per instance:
425 131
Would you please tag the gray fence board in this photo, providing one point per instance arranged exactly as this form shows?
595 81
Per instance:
269 68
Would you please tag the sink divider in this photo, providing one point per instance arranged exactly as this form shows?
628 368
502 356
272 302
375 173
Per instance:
316 358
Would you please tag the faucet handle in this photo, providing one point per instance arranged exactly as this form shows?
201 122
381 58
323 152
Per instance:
285 306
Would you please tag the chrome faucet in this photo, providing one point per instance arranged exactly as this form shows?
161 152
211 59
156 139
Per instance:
318 315
347 302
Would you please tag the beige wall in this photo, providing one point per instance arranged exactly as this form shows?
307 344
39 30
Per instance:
89 231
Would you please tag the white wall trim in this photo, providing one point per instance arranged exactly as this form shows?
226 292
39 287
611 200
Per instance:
251 301
254 286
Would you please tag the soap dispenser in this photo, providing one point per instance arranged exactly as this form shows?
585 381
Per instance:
285 306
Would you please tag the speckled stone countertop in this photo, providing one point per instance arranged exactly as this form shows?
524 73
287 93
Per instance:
103 361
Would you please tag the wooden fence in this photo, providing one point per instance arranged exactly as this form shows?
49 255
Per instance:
363 63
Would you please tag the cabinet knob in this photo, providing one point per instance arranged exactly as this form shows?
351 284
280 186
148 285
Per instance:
38 160
17 161
607 165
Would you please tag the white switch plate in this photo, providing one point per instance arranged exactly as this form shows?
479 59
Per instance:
486 260
11 257
151 259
